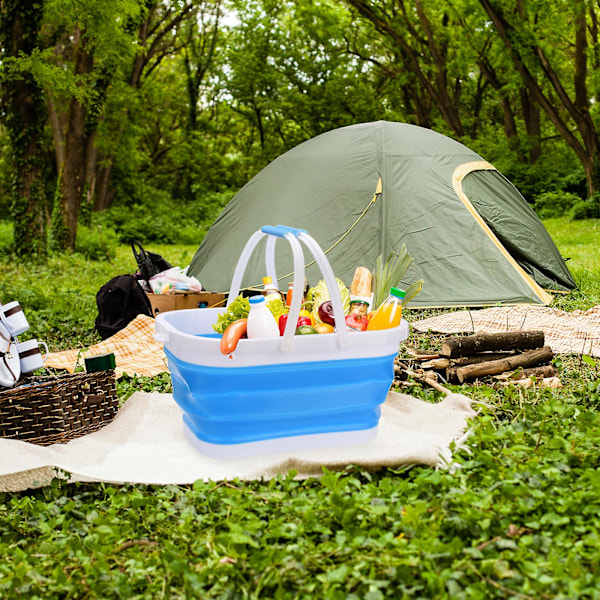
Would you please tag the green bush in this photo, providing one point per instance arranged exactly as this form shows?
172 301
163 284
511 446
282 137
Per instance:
6 237
96 242
163 221
586 209
552 204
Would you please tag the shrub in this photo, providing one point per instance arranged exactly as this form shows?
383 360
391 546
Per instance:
586 209
96 242
6 238
553 204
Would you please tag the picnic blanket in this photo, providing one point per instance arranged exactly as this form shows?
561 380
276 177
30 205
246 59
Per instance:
576 332
135 349
146 444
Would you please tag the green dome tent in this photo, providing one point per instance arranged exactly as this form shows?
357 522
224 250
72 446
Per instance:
364 190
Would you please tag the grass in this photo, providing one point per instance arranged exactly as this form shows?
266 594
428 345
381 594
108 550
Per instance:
517 520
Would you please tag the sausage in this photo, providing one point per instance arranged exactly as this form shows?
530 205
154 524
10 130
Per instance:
232 335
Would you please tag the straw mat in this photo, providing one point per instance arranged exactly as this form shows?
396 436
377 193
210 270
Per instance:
576 332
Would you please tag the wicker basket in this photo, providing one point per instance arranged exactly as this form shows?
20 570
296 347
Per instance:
56 409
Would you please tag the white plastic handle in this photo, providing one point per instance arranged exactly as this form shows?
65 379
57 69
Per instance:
292 236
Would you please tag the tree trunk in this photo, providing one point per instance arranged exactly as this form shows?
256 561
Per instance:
76 142
24 116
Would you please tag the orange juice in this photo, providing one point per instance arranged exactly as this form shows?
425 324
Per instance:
389 314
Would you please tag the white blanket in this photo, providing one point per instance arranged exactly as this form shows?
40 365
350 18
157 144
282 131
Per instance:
146 444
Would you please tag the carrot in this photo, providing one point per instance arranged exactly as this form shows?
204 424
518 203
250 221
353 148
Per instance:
233 334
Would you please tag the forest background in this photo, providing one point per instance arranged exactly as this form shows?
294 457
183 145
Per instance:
140 119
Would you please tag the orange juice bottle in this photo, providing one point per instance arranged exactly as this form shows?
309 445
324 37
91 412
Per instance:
389 314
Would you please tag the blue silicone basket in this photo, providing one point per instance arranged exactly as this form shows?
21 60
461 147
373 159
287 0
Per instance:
278 394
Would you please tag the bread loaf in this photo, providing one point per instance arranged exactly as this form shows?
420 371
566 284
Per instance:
361 283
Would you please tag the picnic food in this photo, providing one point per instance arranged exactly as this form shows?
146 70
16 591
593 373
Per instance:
361 283
325 313
319 294
389 314
261 322
233 334
356 322
302 320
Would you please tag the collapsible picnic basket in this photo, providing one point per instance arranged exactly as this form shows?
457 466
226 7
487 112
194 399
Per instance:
56 409
281 393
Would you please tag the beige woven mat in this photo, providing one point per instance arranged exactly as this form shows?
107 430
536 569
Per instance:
146 444
135 349
576 332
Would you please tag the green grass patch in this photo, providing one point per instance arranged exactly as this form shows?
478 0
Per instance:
517 519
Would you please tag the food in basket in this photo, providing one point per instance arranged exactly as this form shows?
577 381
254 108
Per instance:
389 314
302 320
305 330
319 294
233 334
261 322
240 308
356 322
323 328
361 282
326 313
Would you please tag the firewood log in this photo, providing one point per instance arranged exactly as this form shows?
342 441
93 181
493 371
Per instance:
481 342
493 367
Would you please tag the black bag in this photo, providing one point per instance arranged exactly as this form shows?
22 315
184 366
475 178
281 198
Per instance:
119 302
149 263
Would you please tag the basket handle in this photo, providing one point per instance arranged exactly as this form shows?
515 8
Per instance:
293 236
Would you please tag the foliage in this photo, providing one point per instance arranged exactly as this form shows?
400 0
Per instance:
555 204
517 518
586 209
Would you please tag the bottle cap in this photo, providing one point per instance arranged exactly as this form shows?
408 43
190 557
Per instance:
267 280
397 292
256 299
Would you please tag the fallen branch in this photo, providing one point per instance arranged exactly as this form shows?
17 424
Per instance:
482 342
537 372
493 367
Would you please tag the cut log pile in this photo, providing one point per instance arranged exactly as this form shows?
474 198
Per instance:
517 356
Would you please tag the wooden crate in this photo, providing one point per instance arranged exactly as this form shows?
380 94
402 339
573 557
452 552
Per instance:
166 302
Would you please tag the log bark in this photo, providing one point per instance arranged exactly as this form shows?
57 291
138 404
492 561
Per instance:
481 342
493 367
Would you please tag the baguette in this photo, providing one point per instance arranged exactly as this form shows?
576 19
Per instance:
361 283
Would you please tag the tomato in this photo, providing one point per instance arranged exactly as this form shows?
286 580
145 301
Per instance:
306 313
356 322
283 321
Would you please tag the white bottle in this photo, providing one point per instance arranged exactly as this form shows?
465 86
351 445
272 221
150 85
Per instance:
261 322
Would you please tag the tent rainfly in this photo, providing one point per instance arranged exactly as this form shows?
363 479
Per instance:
366 189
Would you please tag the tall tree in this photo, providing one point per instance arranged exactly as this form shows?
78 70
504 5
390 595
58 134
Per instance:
24 114
538 36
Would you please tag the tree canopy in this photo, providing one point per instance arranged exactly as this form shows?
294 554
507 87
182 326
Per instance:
134 103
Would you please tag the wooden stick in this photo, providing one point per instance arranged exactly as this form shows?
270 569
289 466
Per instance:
538 372
480 342
493 367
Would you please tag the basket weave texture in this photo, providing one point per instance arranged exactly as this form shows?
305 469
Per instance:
56 409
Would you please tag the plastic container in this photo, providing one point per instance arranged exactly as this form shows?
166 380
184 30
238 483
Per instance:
270 292
389 314
284 393
261 322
